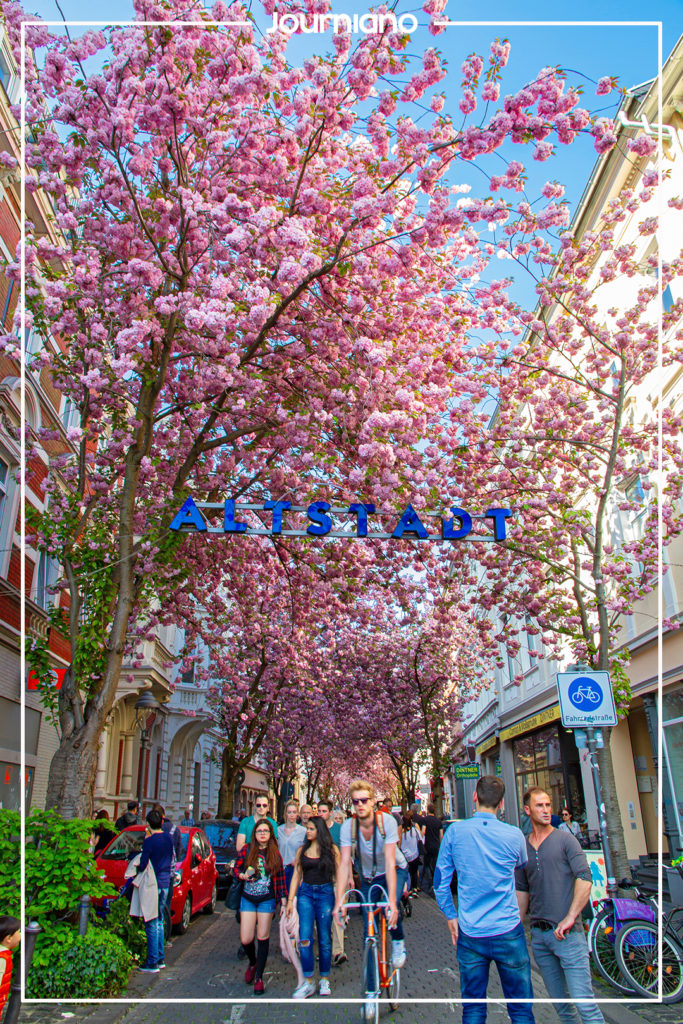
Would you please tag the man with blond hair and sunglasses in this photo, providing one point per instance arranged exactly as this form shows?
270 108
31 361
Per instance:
369 843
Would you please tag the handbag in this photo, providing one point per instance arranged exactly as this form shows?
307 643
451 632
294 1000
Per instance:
233 896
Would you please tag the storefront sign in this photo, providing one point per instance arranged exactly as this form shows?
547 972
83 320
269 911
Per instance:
466 771
408 525
33 683
529 724
486 745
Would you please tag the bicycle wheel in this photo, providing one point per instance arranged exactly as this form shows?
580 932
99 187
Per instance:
370 992
602 945
638 959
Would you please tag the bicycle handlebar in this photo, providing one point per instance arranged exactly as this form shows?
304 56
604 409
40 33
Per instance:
370 902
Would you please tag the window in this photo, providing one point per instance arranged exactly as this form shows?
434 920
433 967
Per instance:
8 489
188 677
46 577
70 415
4 472
5 71
9 79
33 344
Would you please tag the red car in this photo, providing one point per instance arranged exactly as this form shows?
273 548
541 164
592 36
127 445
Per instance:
194 877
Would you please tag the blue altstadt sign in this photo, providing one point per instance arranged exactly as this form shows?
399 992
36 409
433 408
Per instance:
409 525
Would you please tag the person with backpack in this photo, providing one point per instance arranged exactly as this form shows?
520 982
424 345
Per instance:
312 886
129 817
410 848
369 842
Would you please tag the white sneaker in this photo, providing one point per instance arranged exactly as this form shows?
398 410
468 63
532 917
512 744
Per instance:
398 953
370 1008
325 989
305 989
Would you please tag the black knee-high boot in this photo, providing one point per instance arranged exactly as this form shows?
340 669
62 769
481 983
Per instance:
250 949
263 945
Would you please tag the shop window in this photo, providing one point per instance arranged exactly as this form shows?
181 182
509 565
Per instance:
10 726
548 759
10 786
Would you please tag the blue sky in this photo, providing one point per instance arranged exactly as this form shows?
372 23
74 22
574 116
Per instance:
626 51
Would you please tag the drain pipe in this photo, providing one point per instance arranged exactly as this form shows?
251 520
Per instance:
652 129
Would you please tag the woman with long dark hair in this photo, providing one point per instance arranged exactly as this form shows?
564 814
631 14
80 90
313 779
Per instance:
259 866
315 869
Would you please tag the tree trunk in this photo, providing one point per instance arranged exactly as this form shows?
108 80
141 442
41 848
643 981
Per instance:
437 800
226 789
71 781
608 784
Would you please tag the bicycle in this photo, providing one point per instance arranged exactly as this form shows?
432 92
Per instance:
637 952
610 917
376 955
583 694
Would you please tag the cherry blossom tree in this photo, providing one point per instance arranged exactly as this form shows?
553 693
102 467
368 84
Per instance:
574 449
260 288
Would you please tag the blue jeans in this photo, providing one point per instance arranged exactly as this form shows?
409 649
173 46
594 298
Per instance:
377 897
565 967
154 930
289 873
315 903
510 955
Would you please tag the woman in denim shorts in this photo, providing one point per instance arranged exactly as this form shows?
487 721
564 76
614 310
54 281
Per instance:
259 867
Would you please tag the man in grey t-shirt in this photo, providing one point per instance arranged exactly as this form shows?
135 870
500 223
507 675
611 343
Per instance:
554 886
369 842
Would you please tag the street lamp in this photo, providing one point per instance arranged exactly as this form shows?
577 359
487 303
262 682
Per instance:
144 705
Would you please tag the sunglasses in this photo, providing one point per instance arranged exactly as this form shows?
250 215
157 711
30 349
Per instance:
262 806
360 800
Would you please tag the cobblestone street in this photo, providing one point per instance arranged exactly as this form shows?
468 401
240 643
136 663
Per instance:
203 968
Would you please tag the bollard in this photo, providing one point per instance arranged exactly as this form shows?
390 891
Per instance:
31 933
83 914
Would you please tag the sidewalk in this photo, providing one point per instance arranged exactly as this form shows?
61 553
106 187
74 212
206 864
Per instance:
203 970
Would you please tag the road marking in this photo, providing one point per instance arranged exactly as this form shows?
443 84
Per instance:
236 1014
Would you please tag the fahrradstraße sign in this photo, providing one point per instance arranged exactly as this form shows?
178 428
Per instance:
586 699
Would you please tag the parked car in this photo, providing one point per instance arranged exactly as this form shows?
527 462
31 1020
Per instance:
222 834
194 877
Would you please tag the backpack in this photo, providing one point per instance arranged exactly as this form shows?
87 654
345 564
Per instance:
355 852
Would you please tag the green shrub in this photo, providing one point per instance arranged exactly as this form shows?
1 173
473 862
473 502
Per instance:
60 869
131 930
59 865
66 965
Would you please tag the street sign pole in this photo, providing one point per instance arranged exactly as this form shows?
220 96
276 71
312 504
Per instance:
586 703
602 817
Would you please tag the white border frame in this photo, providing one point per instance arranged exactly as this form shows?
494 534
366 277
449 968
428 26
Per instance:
445 23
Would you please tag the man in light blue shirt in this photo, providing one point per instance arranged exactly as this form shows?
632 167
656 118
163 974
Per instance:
486 928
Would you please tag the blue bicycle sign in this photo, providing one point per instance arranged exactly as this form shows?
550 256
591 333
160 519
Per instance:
586 699
585 693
